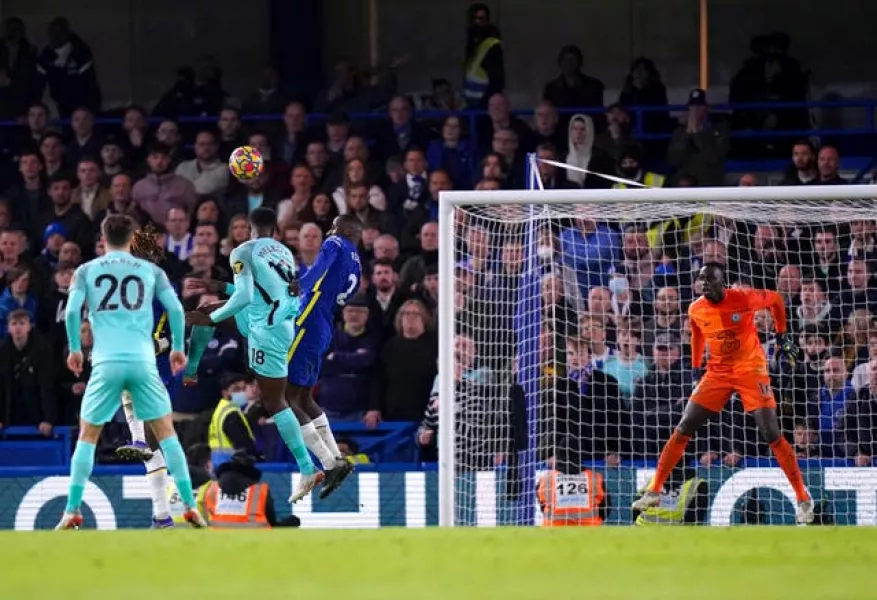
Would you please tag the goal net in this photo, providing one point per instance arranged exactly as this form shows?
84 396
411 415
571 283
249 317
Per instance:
565 345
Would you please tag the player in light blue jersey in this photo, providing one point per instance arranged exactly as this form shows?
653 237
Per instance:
260 305
326 286
119 290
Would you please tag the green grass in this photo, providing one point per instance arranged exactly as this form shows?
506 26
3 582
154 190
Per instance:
745 563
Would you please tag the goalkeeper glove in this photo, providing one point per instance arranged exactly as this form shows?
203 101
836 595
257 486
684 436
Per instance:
788 349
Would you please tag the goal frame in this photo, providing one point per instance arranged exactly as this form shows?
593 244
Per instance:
450 200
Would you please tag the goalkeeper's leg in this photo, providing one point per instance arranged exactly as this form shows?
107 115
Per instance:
768 425
693 418
153 460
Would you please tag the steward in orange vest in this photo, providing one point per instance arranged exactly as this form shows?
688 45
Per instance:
239 500
572 500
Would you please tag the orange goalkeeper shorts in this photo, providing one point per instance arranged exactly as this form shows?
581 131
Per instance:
714 391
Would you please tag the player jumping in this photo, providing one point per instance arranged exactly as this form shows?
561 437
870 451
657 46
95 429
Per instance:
119 289
722 321
328 284
145 245
259 308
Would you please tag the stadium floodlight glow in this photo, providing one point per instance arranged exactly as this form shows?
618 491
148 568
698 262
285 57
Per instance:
472 489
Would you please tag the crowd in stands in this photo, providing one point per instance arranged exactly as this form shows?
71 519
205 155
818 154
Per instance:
614 294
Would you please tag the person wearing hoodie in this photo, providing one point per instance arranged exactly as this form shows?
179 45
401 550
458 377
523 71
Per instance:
583 154
239 499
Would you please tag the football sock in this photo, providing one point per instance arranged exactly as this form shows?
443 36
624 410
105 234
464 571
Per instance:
785 456
176 462
138 433
315 444
670 455
156 475
321 424
198 340
81 465
290 431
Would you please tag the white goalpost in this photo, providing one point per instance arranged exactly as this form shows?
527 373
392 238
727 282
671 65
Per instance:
563 341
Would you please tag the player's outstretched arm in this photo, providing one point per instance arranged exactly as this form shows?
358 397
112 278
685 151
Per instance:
244 286
166 294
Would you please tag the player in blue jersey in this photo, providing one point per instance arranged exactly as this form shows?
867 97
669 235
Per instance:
260 306
119 289
145 245
326 286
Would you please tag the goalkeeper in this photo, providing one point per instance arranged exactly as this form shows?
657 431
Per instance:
722 320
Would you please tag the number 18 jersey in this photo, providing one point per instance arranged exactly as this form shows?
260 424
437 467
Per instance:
119 290
272 267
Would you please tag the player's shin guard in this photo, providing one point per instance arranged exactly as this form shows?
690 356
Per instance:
321 424
290 430
670 456
315 444
138 432
81 465
785 456
156 475
201 336
176 462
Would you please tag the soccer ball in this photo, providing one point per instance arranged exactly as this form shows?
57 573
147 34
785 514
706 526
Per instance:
245 163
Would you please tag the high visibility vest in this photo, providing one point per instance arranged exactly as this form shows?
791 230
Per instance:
175 502
673 505
476 80
220 446
571 500
649 180
242 511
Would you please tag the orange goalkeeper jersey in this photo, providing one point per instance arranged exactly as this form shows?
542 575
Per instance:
727 328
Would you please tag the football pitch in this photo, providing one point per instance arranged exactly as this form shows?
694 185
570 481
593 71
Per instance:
425 564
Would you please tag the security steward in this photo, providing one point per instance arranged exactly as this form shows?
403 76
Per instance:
684 501
238 499
229 429
572 497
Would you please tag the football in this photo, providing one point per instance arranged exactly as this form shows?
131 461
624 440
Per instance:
245 163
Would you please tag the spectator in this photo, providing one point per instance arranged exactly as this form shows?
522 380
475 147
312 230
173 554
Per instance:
310 239
67 65
484 61
179 241
303 189
346 379
827 262
827 163
84 142
317 157
135 131
208 211
862 372
406 368
112 157
206 233
202 264
230 134
803 168
355 173
52 151
53 238
630 167
667 317
321 211
161 189
17 297
413 191
816 309
51 308
384 297
862 422
747 180
238 233
26 376
71 387
196 92
859 294
643 87
29 198
353 91
415 266
659 399
627 366
19 57
452 154
402 133
836 397
589 249
291 146
121 202
206 171
36 125
268 98
552 177
261 191
582 153
444 98
617 137
337 132
573 89
863 240
439 182
546 127
168 133
90 195
13 244
700 145
500 119
63 211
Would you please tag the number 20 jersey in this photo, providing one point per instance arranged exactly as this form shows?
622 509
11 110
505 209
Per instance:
119 291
